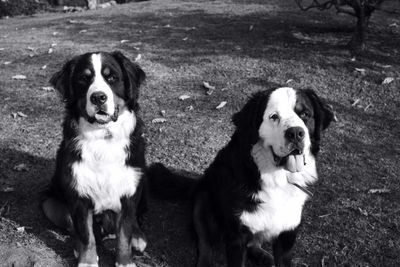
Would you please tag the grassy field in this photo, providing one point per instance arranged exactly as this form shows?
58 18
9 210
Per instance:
239 47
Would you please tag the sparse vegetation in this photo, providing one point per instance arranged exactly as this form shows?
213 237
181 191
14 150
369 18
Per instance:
238 47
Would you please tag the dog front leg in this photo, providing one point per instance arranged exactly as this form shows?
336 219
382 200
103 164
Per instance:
82 217
129 234
236 251
282 248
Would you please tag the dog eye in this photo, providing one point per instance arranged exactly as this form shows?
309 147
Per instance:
304 115
84 78
111 78
274 117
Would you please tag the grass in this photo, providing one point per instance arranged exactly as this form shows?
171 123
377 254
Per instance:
240 47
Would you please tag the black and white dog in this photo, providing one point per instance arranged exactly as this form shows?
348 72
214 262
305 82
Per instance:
254 190
98 184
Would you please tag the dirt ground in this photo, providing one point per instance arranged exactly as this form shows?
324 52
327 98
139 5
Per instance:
240 47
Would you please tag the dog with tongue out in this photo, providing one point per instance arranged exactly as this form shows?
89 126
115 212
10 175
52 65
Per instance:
254 190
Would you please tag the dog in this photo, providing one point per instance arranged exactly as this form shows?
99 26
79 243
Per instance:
254 190
98 187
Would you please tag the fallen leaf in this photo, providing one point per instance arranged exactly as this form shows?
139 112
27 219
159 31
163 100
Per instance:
363 212
19 77
184 97
47 88
367 107
159 120
379 191
355 102
8 189
362 71
21 167
388 80
21 114
210 88
221 105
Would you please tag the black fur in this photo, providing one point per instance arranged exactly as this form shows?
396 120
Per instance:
63 206
228 184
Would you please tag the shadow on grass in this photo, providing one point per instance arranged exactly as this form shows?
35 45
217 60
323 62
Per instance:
166 224
183 37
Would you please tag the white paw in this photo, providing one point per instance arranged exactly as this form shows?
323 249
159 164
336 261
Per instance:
125 265
139 244
88 265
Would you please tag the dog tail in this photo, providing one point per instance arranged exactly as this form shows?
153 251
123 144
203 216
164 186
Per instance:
56 210
58 213
166 184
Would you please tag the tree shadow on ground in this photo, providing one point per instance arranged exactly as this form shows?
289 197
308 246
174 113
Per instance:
182 37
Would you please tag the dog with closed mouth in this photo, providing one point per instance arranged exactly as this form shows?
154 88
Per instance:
254 190
98 184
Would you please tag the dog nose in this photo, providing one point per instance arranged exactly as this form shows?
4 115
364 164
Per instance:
294 134
98 98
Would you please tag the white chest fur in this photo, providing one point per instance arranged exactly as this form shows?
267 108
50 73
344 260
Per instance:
280 210
281 203
102 174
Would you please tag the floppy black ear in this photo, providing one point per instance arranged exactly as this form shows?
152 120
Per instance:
250 117
323 116
134 76
61 80
323 112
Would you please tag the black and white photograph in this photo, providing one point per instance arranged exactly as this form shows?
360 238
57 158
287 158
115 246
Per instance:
199 133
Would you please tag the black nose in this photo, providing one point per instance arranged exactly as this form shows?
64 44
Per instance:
98 98
294 134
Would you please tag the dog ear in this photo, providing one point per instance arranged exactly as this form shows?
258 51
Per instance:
323 116
61 80
134 76
250 117
323 112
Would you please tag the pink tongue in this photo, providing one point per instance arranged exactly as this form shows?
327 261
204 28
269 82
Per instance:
294 163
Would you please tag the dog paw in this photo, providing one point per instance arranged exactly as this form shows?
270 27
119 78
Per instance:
138 243
88 265
125 265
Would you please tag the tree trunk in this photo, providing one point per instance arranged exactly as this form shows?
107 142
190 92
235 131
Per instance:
357 42
92 4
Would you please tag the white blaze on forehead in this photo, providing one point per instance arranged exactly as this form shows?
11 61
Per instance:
283 101
99 85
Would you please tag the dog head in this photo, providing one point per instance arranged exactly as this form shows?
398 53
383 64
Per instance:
286 122
98 86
